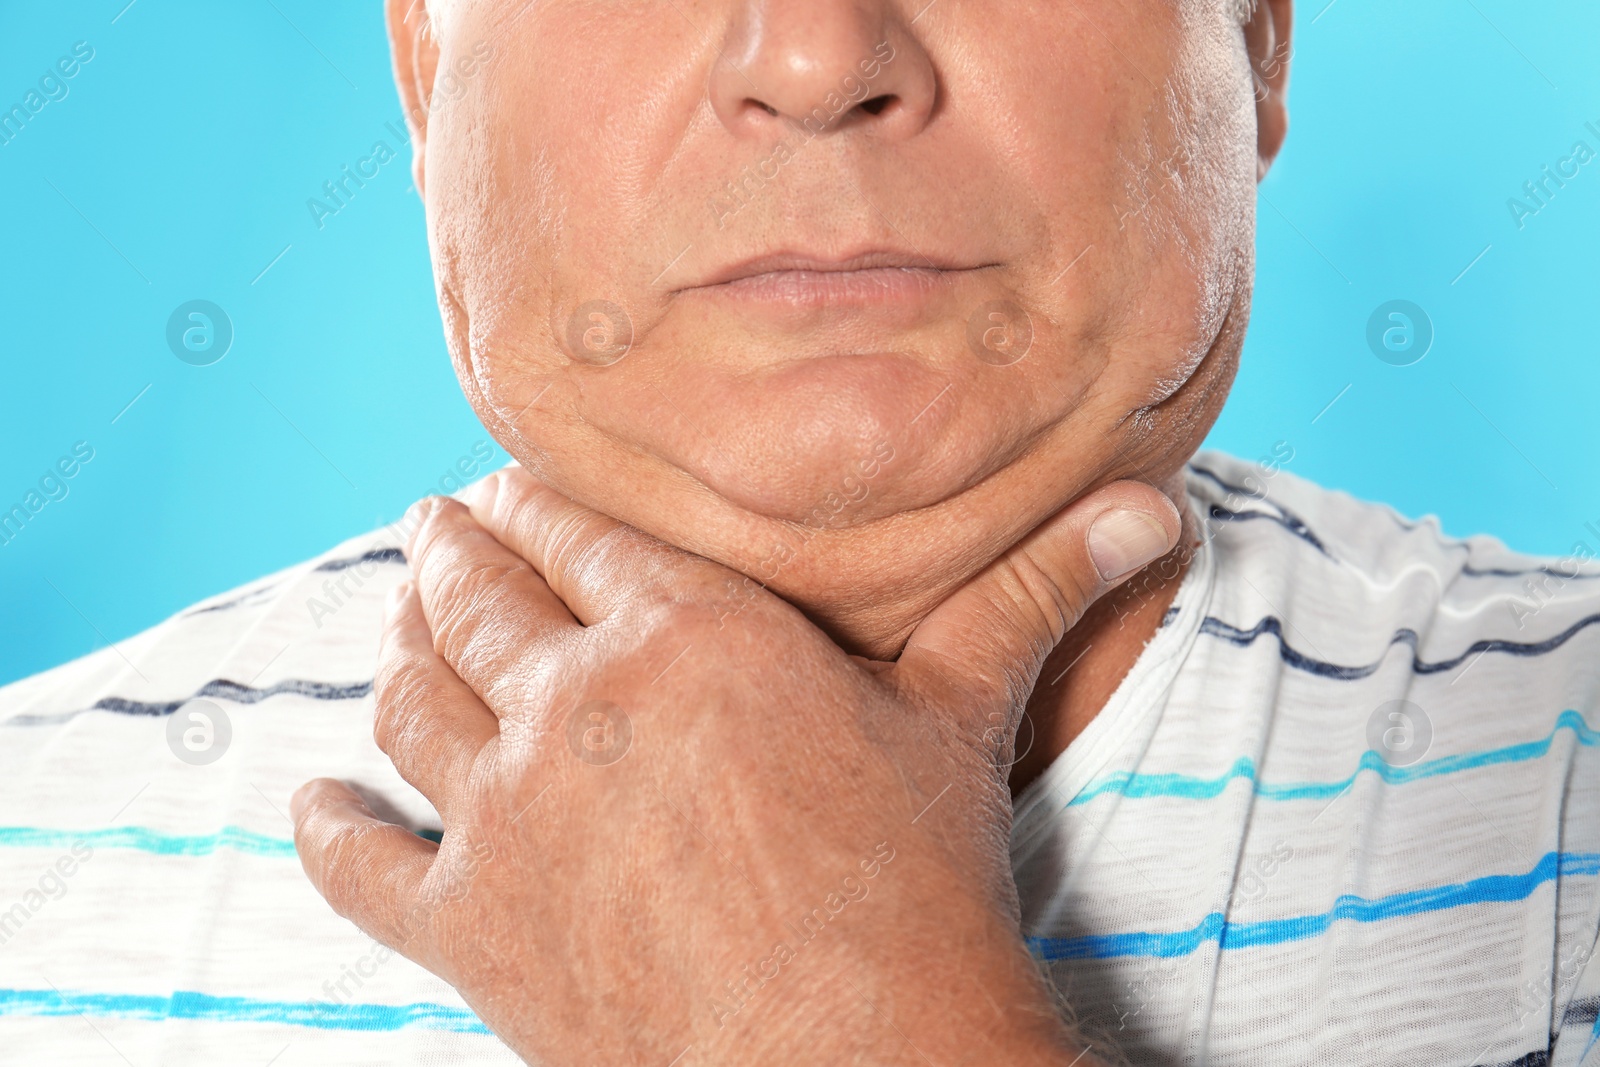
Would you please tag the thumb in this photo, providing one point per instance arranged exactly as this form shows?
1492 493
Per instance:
990 638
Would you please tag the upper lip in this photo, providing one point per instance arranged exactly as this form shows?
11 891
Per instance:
869 259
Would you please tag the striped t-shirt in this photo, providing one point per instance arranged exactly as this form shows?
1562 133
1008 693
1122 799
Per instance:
1344 809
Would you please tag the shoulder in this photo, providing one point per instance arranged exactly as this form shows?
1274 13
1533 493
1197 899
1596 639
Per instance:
308 631
1372 538
1347 636
1351 571
1421 717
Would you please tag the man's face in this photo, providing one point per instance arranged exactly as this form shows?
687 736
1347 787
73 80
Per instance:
846 294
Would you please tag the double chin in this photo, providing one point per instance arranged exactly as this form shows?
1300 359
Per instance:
827 443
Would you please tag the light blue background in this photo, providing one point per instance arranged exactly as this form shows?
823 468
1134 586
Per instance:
179 165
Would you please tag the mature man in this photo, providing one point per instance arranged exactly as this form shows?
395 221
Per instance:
860 666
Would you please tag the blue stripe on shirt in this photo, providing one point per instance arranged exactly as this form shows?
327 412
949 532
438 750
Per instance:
1193 787
142 839
330 1015
1494 888
1293 657
1121 783
320 1015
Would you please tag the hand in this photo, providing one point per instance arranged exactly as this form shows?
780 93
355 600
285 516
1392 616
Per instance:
681 822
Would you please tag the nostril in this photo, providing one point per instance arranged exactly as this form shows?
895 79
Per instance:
823 115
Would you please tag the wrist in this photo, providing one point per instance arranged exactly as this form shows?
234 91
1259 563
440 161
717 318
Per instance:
945 990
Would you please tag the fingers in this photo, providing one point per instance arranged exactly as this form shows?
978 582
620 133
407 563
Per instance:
594 563
369 871
429 722
992 635
489 612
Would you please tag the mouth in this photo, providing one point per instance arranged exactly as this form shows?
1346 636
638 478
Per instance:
798 280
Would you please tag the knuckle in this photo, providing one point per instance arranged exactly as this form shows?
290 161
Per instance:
672 616
400 693
675 621
582 544
1053 609
462 602
348 866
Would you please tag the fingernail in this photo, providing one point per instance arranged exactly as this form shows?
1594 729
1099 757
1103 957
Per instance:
418 512
298 800
481 494
392 601
411 524
1121 541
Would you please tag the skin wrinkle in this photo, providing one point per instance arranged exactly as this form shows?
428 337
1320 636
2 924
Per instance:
721 774
579 163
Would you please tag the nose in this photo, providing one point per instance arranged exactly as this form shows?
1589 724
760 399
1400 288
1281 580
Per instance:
829 65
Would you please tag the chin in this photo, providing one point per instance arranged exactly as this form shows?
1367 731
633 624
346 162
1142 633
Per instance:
827 440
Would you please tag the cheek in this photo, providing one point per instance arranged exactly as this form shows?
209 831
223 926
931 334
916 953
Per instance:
1197 270
1200 253
497 211
1169 241
1145 248
542 200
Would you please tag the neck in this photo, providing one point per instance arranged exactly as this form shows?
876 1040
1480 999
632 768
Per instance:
1094 657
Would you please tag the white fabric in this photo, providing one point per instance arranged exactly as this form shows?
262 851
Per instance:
1181 861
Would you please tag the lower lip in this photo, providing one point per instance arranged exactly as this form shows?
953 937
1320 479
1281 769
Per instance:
841 288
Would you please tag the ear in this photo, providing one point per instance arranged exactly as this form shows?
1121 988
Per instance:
415 53
1269 42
